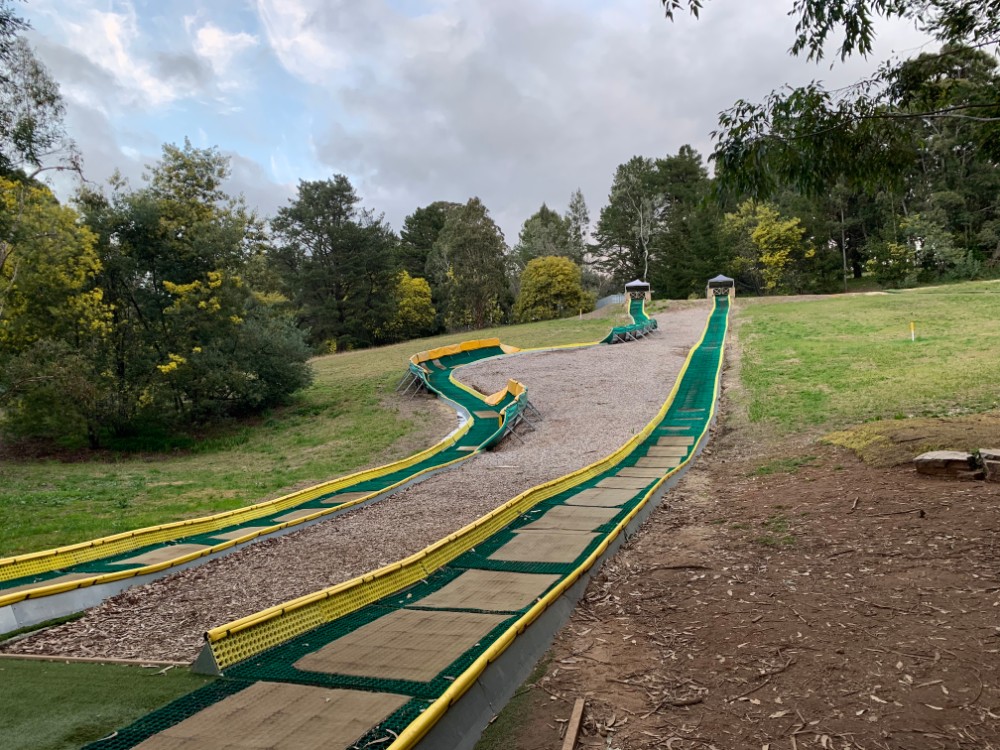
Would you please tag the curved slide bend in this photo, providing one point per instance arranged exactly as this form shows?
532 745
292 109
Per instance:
427 649
640 326
39 586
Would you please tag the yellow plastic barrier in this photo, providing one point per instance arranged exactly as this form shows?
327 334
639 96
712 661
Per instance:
465 346
514 388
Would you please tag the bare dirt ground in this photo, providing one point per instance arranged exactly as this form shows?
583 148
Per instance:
591 405
787 595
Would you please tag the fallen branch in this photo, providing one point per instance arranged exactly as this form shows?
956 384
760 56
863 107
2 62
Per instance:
678 702
883 606
842 552
768 674
901 513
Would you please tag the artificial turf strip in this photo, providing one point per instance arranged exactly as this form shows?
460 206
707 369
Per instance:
93 700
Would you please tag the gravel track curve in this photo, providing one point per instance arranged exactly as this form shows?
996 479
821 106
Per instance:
592 401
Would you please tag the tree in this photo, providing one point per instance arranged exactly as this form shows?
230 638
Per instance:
11 26
47 271
179 231
31 108
810 137
630 224
976 21
418 235
926 251
946 170
551 288
955 181
50 312
339 264
188 340
415 313
918 136
688 250
468 263
579 227
49 392
772 252
31 128
226 352
660 225
545 233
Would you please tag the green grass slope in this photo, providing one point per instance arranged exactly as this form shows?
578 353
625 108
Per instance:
341 423
52 706
844 360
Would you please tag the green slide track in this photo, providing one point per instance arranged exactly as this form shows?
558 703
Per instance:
378 661
121 559
640 326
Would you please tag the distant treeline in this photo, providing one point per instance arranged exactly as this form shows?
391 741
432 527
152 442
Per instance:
172 303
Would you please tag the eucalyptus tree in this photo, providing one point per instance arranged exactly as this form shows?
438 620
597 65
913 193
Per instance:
631 223
469 264
545 233
578 216
340 265
32 132
810 136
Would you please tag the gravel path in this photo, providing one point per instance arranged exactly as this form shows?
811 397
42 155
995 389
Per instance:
592 401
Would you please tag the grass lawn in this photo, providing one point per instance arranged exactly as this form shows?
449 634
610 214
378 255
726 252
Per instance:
88 701
341 423
834 362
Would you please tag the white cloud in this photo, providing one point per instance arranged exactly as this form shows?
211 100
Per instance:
518 102
302 49
522 101
219 47
110 40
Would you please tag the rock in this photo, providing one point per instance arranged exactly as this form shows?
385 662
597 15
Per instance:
955 464
992 470
989 454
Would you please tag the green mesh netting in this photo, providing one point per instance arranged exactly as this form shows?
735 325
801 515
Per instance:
641 324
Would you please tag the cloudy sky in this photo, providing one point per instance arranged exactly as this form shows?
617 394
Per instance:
515 101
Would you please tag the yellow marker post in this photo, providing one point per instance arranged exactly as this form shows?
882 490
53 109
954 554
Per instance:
913 331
